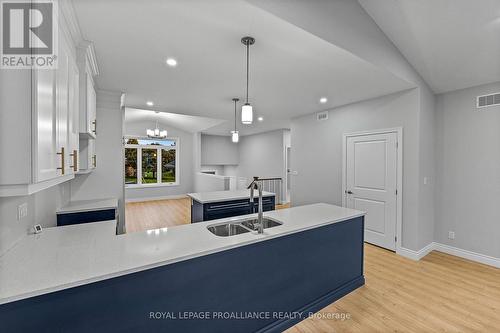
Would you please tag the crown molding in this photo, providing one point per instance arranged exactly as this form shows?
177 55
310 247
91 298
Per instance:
86 55
70 20
85 49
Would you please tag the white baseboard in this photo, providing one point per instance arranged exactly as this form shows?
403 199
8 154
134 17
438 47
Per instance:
415 255
166 197
474 256
455 251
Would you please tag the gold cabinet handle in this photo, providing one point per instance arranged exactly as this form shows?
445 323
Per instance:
62 160
95 126
75 160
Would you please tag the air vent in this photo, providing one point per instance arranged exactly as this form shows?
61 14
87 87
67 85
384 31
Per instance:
322 115
488 100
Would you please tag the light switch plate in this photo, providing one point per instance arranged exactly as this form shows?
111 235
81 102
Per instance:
22 211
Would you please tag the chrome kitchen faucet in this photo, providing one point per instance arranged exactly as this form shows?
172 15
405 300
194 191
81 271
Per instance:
257 185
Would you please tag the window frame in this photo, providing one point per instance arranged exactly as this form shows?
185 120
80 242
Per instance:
139 148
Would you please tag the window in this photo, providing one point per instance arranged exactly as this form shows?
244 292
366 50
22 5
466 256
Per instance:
151 162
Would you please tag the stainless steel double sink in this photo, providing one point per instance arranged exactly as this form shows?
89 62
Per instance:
241 226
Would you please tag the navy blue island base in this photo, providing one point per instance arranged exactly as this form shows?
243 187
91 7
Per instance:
266 286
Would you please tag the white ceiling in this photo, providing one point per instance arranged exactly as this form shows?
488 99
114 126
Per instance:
186 123
290 68
453 44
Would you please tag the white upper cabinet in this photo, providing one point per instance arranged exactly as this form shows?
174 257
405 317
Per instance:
88 116
88 109
40 122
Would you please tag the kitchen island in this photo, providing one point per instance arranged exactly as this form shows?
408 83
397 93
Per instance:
82 278
206 206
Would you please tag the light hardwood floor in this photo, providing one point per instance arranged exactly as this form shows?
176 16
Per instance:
440 293
140 216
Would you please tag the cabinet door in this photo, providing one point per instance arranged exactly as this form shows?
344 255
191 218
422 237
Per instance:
73 93
62 136
45 116
92 154
91 105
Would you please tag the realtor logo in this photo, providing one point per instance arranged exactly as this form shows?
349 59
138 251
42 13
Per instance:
29 34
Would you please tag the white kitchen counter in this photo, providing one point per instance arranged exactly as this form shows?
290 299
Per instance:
74 255
88 205
219 196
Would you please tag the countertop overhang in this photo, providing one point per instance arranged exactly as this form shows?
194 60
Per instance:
70 256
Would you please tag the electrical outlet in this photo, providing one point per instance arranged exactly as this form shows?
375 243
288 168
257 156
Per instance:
451 234
22 211
426 180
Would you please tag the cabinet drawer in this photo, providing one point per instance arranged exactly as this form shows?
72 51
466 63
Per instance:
86 217
216 206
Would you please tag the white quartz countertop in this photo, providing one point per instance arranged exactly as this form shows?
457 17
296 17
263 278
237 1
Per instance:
69 256
88 205
218 196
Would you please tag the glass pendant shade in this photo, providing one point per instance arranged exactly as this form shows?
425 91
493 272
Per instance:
246 114
235 136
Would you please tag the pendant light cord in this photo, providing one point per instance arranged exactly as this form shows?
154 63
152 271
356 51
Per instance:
248 56
235 115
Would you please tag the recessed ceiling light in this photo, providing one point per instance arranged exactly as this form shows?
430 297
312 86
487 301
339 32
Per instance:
149 103
171 62
260 118
323 100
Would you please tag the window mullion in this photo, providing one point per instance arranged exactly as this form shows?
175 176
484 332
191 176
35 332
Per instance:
158 165
139 166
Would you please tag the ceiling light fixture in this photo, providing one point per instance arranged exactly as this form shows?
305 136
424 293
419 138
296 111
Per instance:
260 119
323 100
246 109
149 103
171 62
235 136
156 133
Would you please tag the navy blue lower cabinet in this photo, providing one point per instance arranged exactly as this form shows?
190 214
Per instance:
237 290
85 217
217 210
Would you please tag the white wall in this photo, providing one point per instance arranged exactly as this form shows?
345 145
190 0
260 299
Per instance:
468 172
210 183
317 152
186 163
427 168
218 150
42 208
261 155
107 179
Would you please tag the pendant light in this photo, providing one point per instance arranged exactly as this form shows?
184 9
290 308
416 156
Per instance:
246 109
235 136
156 133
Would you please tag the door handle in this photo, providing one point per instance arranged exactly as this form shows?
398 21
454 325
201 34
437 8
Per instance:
349 192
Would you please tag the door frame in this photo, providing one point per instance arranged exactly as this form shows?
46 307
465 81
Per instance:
399 174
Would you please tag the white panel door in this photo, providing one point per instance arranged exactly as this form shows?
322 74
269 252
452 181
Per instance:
371 184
